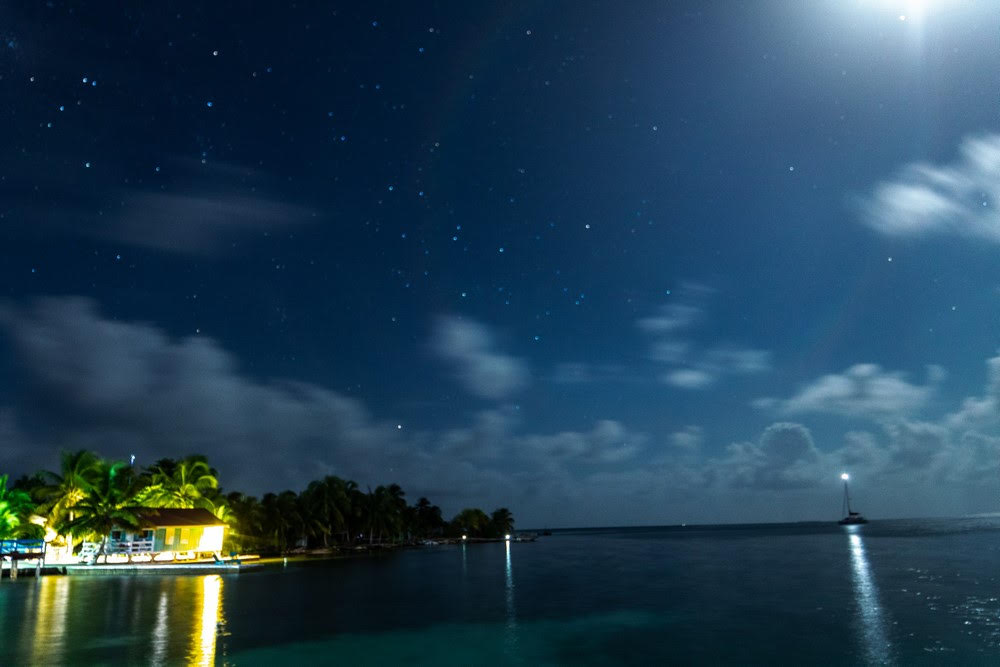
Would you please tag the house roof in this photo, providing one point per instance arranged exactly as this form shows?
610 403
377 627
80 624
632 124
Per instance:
170 516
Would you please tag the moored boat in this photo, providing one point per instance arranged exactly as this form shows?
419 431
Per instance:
851 518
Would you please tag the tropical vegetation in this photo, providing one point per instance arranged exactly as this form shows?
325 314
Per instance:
88 496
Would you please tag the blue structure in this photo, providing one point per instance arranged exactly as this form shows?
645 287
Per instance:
22 549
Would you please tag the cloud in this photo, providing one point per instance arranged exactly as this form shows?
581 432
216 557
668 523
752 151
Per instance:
688 439
128 387
707 368
785 457
980 411
914 446
199 223
863 390
689 378
861 450
197 209
962 198
670 319
694 366
608 442
469 347
738 360
669 351
577 372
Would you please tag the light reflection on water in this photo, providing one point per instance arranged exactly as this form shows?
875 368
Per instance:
203 640
876 643
161 637
67 615
663 598
53 601
510 628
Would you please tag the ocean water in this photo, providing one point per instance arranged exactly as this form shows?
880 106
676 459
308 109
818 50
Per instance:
891 592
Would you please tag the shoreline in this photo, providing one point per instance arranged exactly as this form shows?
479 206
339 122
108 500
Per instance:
242 563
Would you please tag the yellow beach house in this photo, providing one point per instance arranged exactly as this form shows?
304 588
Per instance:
164 534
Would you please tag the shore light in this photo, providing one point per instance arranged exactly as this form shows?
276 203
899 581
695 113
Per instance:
844 476
507 537
463 537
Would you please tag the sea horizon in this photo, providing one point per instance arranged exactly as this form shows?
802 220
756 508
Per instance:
975 515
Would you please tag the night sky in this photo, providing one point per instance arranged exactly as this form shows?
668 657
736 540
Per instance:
601 263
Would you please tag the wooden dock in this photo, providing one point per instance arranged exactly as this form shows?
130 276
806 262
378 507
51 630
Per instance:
152 569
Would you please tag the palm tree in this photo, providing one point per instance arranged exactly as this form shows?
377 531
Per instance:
63 490
395 501
190 482
106 504
15 508
501 522
355 509
471 521
382 513
30 484
340 515
246 519
282 520
427 518
318 507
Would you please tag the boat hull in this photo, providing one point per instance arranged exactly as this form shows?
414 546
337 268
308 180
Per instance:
852 521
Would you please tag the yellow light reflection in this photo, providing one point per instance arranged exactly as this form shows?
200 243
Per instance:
50 620
203 642
877 645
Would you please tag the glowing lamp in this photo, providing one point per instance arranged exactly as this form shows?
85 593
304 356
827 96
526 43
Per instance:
844 476
507 537
463 537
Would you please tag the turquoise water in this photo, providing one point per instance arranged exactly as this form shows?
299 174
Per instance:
900 592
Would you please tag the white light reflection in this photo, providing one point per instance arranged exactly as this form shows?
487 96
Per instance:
876 644
160 633
510 630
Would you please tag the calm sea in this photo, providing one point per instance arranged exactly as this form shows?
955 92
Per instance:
898 592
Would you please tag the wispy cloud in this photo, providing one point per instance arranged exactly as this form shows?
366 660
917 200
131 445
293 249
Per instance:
470 348
672 332
578 372
689 438
863 390
689 378
961 198
199 224
737 360
608 442
192 208
671 319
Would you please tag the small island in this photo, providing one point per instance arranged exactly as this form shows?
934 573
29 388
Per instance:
98 512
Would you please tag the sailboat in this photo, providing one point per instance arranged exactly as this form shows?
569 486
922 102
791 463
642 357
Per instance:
851 518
